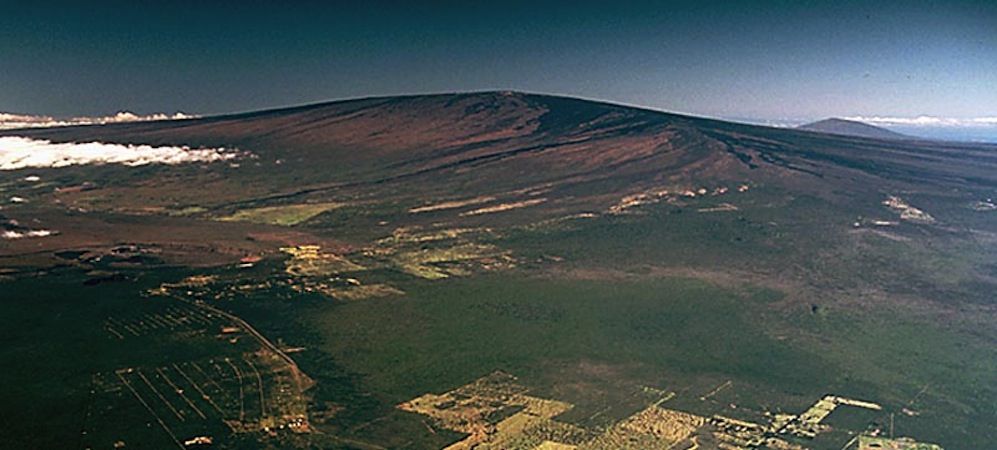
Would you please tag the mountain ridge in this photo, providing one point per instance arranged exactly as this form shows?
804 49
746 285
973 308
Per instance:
539 139
845 127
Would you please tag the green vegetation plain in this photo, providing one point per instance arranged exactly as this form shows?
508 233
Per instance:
748 271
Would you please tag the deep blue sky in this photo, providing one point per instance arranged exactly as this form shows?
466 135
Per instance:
766 60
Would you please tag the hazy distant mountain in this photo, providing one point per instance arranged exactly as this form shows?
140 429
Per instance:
852 128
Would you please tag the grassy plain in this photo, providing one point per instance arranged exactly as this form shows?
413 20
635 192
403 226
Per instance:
284 215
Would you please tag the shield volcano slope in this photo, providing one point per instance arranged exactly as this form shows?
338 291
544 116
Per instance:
529 156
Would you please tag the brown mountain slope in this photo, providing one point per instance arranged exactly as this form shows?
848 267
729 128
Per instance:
460 158
486 142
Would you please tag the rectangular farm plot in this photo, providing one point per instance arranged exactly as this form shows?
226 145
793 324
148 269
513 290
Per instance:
285 215
171 317
181 401
194 373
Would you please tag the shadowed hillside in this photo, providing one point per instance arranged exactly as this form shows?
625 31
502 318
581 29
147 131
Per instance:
852 128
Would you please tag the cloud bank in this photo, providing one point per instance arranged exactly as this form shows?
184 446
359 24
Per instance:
21 153
10 121
10 235
928 121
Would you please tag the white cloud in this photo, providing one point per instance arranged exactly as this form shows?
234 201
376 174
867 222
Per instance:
11 234
20 152
10 121
927 121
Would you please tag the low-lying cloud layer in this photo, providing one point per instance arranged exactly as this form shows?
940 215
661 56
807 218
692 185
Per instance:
11 235
21 153
928 121
13 121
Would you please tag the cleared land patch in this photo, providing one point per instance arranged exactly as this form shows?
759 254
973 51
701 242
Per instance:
504 207
285 215
882 443
496 412
441 253
453 204
906 211
310 260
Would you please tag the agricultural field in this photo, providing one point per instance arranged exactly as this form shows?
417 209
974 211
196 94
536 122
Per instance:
181 367
286 215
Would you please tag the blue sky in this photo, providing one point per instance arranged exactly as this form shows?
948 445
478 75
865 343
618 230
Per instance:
766 60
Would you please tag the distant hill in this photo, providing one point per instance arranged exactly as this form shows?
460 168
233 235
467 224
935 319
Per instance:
852 128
